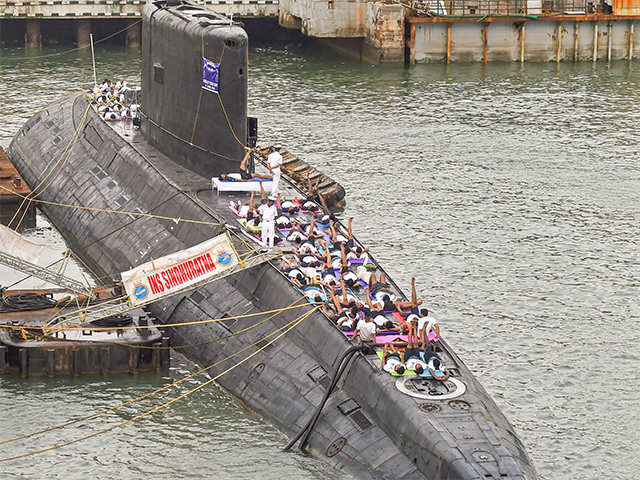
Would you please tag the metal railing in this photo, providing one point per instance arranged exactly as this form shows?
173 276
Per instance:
501 7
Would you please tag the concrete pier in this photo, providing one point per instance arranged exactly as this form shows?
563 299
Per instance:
380 26
557 38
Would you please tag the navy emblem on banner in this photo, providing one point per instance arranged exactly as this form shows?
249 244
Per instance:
210 75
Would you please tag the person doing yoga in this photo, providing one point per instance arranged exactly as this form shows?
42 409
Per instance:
412 353
245 176
391 360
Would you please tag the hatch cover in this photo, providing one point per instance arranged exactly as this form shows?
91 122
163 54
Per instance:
427 389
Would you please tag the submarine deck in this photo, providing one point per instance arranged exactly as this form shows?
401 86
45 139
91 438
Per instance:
200 189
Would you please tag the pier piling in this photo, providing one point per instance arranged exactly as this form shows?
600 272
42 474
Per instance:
32 37
51 362
83 30
3 359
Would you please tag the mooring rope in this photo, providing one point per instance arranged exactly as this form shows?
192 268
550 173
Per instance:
287 328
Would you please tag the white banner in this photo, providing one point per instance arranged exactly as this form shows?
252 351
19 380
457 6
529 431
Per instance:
166 275
15 244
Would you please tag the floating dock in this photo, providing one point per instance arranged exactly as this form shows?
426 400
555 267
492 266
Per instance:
40 341
10 203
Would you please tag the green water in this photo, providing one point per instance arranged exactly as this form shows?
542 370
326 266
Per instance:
512 194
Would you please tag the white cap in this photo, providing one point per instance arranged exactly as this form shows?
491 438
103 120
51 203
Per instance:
277 147
271 197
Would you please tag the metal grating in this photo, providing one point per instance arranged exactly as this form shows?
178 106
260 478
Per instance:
348 406
316 373
361 421
197 297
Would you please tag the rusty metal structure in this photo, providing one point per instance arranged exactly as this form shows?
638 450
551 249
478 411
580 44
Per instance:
10 203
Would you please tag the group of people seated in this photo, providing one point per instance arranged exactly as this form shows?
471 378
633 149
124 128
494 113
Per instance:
110 101
329 267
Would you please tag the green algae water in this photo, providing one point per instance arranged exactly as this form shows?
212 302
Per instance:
511 192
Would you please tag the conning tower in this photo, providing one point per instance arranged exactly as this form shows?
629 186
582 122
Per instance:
198 128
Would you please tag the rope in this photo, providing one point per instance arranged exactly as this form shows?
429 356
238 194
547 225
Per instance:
154 392
33 112
199 344
117 212
226 116
66 154
140 327
78 48
287 328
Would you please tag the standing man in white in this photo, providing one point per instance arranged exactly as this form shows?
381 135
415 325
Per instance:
269 212
274 162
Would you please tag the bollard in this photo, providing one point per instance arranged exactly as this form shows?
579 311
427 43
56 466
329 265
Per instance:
105 361
51 362
3 359
23 357
165 353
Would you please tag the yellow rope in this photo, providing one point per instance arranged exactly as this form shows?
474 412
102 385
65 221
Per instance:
33 112
140 327
287 328
154 392
107 210
51 169
226 116
199 344
64 259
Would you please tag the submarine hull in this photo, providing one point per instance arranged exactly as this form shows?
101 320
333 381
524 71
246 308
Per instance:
368 427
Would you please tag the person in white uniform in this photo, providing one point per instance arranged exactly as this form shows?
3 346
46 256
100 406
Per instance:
274 162
269 212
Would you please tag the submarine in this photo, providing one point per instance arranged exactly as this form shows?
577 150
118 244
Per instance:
312 384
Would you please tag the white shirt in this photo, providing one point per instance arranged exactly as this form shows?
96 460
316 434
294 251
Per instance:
380 320
348 322
429 320
293 236
274 160
269 213
413 362
367 330
350 276
380 295
390 364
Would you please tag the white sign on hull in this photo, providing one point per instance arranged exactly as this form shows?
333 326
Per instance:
167 275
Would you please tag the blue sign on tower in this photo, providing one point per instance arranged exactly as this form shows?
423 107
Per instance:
210 75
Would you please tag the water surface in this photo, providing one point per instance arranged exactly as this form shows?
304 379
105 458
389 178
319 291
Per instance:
511 193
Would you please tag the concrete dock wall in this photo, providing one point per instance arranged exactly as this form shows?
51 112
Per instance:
519 39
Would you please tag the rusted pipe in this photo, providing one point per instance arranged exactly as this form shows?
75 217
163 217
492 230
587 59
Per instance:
595 42
522 30
485 41
558 41
576 29
449 25
609 32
